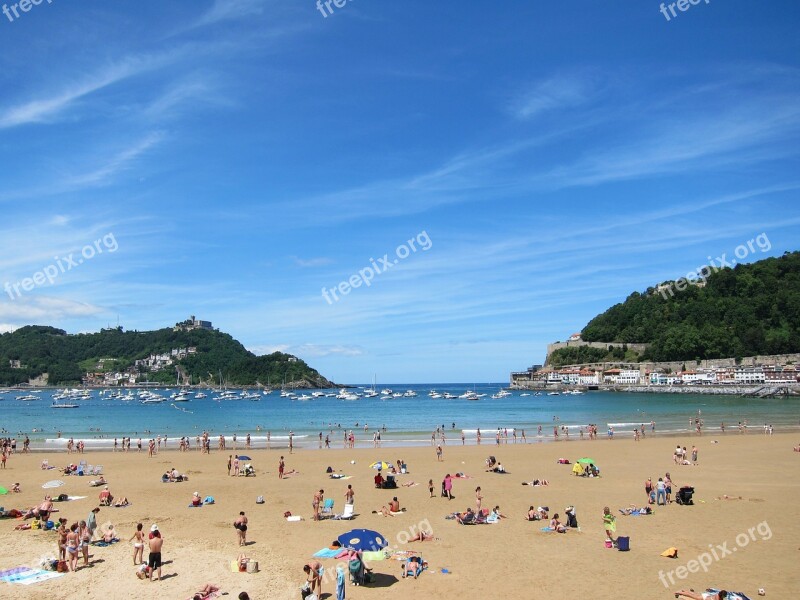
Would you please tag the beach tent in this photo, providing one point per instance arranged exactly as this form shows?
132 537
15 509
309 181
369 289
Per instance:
380 465
363 539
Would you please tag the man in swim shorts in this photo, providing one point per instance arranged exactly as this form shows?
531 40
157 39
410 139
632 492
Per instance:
154 558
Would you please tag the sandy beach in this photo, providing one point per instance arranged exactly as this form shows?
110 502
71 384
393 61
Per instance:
512 558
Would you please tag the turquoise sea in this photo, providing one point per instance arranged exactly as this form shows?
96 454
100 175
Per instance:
408 420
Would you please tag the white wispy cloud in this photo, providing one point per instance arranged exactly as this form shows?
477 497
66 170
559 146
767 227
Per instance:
226 10
45 310
312 262
118 163
555 93
52 104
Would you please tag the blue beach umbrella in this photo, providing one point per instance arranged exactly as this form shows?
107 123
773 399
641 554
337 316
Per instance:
363 539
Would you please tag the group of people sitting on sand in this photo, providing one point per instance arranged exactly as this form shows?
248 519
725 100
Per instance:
480 517
493 466
172 476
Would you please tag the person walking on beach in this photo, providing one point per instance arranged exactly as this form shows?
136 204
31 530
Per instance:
438 453
694 455
291 442
648 489
281 467
240 524
236 465
430 487
348 495
478 499
448 486
156 542
230 462
138 545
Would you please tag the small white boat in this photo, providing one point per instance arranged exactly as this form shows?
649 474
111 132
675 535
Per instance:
64 405
27 398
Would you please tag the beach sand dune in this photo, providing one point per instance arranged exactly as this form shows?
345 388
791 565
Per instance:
756 539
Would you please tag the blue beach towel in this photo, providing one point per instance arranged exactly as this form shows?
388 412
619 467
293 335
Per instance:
327 553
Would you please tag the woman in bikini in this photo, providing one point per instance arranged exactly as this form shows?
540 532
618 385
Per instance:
62 532
138 545
86 539
73 546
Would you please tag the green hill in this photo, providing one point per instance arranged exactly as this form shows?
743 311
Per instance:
66 358
747 310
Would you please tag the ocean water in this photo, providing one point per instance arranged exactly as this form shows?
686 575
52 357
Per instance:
408 421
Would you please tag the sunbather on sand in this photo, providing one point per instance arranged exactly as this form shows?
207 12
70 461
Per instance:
536 482
466 517
726 497
423 536
703 595
556 525
205 591
121 502
15 488
412 567
98 482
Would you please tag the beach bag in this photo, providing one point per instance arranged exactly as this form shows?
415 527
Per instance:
287 514
260 500
252 566
209 500
329 470
62 498
623 544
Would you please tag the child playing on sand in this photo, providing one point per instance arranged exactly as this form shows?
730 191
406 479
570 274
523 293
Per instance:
430 487
609 523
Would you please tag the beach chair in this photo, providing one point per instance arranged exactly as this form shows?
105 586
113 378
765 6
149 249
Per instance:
89 470
347 514
327 508
98 470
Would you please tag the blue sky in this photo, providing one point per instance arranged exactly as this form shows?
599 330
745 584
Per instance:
245 154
